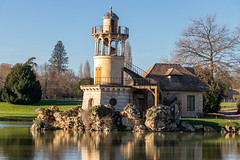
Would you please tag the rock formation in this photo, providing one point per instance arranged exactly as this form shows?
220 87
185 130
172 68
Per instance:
106 118
159 118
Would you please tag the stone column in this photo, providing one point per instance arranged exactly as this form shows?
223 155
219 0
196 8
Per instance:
116 46
109 46
103 48
123 48
97 46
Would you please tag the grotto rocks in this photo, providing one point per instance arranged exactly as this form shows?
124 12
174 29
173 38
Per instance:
106 118
229 129
101 118
131 118
52 119
158 118
187 126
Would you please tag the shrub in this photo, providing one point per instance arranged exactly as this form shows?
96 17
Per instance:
238 105
212 98
83 81
21 86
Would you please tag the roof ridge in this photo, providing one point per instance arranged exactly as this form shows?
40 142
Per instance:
148 71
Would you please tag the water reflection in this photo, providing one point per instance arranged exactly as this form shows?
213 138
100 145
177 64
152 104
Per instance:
20 143
14 147
127 145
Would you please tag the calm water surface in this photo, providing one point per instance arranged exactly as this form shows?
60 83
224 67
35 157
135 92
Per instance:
17 142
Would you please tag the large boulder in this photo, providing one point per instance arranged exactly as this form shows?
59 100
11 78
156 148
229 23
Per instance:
44 120
101 118
188 127
131 118
209 129
131 112
159 118
51 118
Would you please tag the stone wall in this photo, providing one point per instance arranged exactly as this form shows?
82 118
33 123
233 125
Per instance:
102 95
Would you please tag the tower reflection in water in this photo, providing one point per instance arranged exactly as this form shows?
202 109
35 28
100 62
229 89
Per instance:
128 145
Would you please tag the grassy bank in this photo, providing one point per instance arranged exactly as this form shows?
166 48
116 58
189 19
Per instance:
228 106
217 124
12 112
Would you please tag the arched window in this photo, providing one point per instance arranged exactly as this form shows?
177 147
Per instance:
90 103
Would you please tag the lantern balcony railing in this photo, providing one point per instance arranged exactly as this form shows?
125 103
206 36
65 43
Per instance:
117 81
110 29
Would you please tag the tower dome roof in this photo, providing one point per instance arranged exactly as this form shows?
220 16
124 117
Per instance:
110 15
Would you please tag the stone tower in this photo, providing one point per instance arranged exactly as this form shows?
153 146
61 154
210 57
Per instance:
109 50
108 85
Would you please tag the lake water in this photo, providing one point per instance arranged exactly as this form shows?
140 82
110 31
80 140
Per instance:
17 142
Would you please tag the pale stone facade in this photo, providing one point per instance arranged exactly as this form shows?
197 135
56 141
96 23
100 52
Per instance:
182 96
101 94
182 108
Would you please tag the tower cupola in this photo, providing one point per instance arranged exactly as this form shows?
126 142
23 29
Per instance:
110 38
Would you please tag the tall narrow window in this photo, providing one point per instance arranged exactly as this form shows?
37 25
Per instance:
190 103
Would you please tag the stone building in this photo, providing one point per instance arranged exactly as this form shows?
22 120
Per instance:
167 84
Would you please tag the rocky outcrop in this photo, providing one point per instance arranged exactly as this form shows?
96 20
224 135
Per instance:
229 129
208 129
198 128
105 118
131 118
101 118
187 126
52 119
158 118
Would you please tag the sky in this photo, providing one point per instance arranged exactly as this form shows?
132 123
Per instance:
31 28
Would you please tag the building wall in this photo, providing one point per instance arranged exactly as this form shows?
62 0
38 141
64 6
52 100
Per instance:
111 68
183 97
103 94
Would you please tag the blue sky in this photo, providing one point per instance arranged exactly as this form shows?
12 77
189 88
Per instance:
31 28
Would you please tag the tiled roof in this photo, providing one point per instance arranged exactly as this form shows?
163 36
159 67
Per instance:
188 81
173 72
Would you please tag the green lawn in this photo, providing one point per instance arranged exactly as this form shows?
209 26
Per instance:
228 106
27 112
212 122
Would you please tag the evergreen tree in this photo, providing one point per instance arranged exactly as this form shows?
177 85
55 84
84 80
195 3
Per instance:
84 81
59 59
21 86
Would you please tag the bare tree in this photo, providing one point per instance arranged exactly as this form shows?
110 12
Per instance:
87 70
43 75
80 72
128 53
213 51
4 71
128 59
173 58
207 44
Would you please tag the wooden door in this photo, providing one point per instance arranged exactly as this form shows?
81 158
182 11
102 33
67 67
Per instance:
98 75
